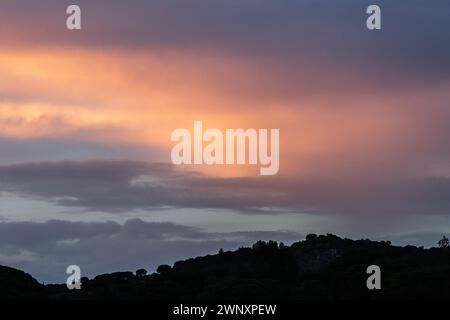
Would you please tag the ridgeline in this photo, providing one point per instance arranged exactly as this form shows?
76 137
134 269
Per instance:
320 267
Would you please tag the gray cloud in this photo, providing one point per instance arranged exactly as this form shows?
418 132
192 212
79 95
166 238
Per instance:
411 49
46 249
117 186
57 149
121 186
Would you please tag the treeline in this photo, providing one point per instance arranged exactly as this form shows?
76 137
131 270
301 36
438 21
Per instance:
320 267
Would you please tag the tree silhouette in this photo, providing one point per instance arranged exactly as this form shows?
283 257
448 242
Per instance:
141 273
311 237
444 242
164 268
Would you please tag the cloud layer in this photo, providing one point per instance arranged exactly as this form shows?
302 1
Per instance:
46 249
122 186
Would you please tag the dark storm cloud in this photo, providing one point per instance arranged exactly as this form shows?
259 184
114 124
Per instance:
46 249
412 47
121 186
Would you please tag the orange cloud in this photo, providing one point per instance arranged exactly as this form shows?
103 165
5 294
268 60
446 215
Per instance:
141 96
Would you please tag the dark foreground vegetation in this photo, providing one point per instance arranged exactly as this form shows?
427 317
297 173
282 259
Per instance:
320 267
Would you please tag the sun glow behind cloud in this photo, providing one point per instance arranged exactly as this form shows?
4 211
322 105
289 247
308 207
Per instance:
141 96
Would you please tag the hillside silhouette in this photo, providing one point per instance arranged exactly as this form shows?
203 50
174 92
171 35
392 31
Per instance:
16 284
320 267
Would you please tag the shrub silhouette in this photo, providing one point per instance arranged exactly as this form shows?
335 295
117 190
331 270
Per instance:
311 237
141 273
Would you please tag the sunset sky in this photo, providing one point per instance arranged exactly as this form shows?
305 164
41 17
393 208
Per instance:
86 117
